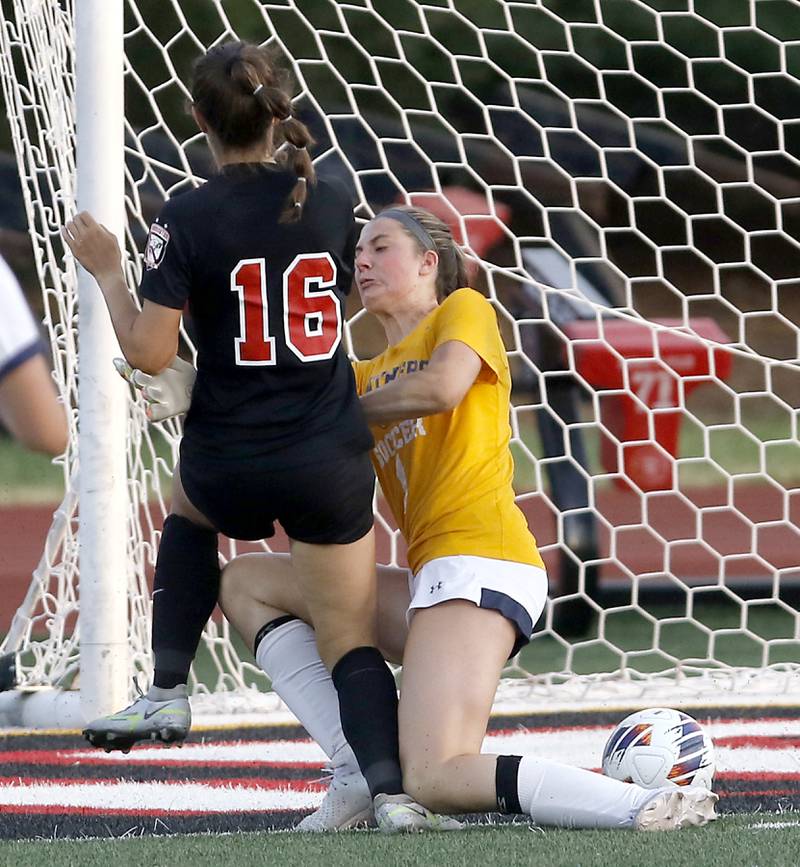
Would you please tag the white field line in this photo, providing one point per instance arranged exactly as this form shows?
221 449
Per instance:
198 797
772 826
261 752
582 748
576 747
755 728
167 797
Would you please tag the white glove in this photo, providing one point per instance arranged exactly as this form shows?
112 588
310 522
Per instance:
166 394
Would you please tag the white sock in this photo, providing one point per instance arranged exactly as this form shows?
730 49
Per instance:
289 657
568 797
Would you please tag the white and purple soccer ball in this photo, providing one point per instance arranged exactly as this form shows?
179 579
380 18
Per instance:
660 747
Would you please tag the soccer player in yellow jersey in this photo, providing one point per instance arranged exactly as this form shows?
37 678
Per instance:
437 401
447 473
447 476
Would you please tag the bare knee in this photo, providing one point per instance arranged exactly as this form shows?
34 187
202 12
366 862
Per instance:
233 583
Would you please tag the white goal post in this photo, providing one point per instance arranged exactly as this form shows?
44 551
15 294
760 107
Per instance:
623 174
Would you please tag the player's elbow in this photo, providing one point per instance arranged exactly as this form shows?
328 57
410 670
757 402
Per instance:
445 395
51 434
151 368
31 410
150 359
150 346
49 439
54 440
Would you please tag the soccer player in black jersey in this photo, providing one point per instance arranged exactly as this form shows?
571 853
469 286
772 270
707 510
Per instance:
262 255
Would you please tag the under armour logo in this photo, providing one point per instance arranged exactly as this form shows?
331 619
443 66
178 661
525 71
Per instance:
435 587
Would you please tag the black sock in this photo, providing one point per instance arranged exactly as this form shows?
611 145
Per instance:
185 591
506 784
368 709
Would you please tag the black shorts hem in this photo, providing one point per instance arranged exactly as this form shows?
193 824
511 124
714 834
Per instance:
512 611
325 503
335 538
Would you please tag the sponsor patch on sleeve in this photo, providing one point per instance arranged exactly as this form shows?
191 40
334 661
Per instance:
156 246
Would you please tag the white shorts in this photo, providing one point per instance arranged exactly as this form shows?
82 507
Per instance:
516 590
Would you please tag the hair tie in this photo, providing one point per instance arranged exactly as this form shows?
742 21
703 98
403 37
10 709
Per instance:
258 90
301 185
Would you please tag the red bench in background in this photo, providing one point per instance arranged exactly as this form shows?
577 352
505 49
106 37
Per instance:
663 368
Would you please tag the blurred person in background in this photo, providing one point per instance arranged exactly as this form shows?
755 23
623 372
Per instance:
30 408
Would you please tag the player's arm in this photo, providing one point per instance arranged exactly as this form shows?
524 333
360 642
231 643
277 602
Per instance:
148 337
439 387
30 408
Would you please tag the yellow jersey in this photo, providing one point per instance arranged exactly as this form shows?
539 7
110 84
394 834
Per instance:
448 477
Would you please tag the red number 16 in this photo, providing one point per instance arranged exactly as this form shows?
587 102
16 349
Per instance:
312 315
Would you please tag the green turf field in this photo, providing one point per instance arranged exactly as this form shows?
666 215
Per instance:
26 477
632 632
731 842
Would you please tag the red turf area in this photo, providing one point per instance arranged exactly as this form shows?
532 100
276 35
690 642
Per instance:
649 532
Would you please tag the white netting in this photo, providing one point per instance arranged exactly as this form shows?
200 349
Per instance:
626 173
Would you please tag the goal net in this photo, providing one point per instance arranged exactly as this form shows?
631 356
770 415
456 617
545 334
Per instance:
624 176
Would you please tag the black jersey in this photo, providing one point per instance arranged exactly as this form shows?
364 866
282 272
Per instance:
266 302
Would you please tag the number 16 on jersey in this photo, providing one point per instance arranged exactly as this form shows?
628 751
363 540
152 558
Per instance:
312 315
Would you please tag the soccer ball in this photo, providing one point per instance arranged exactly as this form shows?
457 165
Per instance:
660 747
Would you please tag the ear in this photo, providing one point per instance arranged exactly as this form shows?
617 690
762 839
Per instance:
199 119
430 262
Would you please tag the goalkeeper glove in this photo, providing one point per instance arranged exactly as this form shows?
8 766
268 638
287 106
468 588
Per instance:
165 394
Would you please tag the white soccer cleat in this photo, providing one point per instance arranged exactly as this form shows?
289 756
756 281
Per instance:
662 812
145 720
399 814
671 809
699 807
347 803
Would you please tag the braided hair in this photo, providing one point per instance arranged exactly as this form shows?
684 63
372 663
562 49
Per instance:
241 93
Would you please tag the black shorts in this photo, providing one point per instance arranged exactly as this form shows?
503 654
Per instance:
325 503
